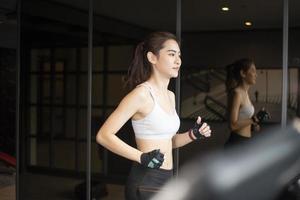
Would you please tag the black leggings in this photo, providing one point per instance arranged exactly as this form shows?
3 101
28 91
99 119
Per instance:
143 183
235 138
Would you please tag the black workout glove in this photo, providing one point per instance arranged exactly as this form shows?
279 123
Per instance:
255 120
152 159
196 132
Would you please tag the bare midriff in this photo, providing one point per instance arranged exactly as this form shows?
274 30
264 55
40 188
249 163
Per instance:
165 146
245 132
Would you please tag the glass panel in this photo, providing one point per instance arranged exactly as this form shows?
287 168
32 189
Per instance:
97 117
65 59
58 122
214 38
268 92
39 152
8 86
97 158
71 89
82 156
294 60
82 90
293 109
71 115
45 121
124 55
98 56
33 120
46 66
59 66
46 88
34 88
54 36
82 123
64 154
59 89
33 151
97 96
38 56
293 93
83 55
115 89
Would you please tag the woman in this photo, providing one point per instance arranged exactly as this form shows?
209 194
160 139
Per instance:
241 75
151 108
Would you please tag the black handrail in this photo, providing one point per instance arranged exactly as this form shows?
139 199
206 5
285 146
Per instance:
197 79
213 110
201 79
219 74
199 84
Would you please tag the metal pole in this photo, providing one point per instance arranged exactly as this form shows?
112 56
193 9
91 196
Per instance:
177 85
285 63
18 99
89 102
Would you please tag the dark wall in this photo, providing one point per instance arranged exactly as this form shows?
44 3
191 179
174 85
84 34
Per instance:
8 35
217 49
7 100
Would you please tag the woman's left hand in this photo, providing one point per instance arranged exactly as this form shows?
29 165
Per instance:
201 130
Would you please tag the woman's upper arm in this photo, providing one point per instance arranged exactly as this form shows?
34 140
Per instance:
129 105
235 106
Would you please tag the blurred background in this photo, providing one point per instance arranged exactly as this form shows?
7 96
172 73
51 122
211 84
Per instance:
46 42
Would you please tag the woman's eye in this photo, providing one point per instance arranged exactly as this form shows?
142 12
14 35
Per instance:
172 54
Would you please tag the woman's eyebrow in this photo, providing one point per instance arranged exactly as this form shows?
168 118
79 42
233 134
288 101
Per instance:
174 51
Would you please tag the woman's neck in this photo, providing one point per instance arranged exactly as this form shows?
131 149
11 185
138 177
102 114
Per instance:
159 83
245 87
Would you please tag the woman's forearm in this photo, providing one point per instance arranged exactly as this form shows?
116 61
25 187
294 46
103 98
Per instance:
117 146
181 139
241 124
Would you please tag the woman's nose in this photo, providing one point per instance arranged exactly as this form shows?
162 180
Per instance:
178 60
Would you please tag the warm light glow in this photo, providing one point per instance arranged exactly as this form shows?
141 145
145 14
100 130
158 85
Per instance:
248 23
225 8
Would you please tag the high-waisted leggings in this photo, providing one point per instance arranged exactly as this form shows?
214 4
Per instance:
143 182
236 138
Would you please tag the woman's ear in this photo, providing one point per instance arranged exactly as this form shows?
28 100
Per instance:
242 73
151 57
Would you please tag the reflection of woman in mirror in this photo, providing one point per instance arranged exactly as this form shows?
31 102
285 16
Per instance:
241 75
151 108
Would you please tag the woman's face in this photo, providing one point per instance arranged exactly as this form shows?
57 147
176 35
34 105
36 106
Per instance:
168 61
250 75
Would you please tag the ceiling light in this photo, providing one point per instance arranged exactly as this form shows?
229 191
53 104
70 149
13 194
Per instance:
225 8
248 23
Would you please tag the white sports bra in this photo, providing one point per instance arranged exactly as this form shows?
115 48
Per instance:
246 112
157 124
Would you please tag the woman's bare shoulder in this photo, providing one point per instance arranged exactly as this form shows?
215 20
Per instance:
237 91
140 93
236 94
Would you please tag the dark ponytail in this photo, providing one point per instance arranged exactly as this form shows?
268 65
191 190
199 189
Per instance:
140 68
231 81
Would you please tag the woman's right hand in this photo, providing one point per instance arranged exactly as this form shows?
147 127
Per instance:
255 127
153 159
255 124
